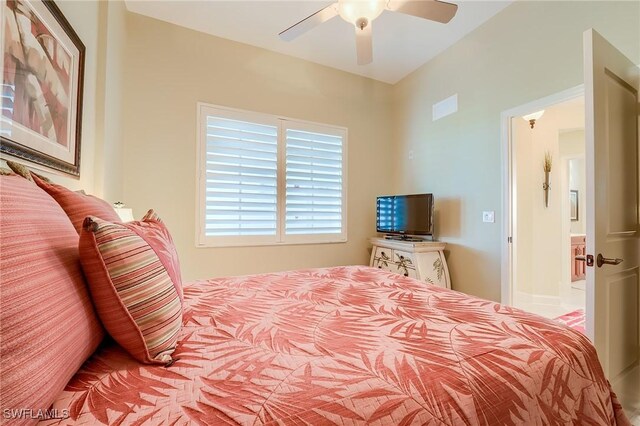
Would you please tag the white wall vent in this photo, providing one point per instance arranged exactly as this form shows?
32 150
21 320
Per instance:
445 107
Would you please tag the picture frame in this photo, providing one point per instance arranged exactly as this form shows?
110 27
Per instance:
42 86
573 203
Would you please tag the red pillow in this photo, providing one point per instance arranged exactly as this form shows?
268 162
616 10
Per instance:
77 205
47 322
135 282
159 238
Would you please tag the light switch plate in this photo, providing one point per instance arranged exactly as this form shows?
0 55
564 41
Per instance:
489 216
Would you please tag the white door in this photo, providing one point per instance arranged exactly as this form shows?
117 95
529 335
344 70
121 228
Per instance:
613 229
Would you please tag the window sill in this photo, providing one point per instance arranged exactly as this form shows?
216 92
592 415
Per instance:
241 244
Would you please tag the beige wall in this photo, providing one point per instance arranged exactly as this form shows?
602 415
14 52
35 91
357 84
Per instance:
525 186
144 77
528 51
109 154
99 154
169 69
542 233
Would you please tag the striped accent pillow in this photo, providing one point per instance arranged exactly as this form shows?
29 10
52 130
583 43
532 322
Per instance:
77 205
134 291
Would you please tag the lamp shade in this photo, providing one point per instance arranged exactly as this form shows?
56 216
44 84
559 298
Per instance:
533 116
125 213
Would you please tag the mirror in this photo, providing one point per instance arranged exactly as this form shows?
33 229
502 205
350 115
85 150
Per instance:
573 200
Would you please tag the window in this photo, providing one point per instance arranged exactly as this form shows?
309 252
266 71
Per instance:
7 96
267 180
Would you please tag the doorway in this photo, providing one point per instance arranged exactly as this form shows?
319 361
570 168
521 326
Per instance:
549 233
544 210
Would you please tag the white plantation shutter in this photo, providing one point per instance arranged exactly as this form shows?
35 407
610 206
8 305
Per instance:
267 180
241 178
314 181
7 95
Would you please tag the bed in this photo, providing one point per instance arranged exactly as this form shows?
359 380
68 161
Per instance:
348 345
343 345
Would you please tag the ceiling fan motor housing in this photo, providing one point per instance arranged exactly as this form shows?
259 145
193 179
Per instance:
362 23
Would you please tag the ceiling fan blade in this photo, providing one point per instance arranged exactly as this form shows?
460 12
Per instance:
364 45
433 10
321 16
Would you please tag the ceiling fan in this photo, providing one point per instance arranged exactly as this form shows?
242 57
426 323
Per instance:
361 13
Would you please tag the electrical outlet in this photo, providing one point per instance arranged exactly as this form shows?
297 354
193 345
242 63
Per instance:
410 155
489 217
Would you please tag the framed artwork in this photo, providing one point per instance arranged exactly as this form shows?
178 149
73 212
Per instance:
42 79
573 199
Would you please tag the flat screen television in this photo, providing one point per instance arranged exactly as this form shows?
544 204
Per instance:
405 214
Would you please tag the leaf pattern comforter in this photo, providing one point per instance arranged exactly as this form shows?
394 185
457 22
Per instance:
348 345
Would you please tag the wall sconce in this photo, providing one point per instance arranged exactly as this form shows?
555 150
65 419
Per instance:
126 214
548 162
531 118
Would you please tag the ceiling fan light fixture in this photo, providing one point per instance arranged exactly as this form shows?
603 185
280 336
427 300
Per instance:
360 12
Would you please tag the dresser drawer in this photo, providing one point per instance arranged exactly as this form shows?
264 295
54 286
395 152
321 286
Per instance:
421 260
404 263
384 253
407 271
403 257
383 259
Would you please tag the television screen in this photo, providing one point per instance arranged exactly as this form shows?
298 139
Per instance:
405 214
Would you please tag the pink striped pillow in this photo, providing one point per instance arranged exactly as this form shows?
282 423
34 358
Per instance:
135 284
47 321
77 205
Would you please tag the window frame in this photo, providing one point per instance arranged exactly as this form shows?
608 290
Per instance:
282 123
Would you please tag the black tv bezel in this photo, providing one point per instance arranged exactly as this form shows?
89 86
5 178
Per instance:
406 232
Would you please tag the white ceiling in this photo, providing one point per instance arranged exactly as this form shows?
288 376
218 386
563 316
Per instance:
401 43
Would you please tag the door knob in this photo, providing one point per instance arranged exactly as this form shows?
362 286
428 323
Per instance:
601 260
585 258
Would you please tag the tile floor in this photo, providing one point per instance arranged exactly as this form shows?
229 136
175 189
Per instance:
572 297
628 391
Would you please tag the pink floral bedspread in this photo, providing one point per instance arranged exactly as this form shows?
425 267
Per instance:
348 345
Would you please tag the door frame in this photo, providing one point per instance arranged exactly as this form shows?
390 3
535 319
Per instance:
506 153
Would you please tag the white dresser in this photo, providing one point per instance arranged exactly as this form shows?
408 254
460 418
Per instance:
422 260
